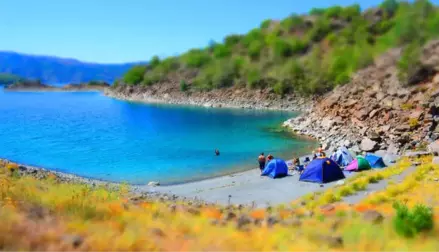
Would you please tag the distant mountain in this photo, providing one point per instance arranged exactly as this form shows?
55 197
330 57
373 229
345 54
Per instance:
59 70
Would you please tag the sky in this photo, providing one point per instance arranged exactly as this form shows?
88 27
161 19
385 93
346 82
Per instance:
116 31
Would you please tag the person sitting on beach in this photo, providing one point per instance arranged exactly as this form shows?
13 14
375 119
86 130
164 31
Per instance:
217 153
297 165
261 161
306 161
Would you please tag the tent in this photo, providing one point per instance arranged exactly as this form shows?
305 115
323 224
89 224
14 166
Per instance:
342 156
322 170
359 164
276 168
375 161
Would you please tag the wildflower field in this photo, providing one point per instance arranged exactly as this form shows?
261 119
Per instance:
47 214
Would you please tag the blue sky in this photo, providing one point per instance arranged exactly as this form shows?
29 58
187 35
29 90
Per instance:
114 31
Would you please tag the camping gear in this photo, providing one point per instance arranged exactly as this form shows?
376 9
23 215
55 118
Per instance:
276 168
342 157
359 164
375 161
322 170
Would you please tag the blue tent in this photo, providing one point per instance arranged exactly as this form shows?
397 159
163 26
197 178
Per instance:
322 170
375 161
342 157
276 168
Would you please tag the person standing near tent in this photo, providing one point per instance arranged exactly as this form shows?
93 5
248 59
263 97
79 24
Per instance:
261 161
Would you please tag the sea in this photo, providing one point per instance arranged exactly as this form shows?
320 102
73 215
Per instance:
91 135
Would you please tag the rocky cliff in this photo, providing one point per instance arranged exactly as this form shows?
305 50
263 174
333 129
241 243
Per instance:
375 111
232 97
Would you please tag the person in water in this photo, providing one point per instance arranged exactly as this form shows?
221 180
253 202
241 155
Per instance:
217 153
261 161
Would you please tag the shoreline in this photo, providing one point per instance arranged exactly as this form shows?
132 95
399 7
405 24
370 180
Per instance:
281 104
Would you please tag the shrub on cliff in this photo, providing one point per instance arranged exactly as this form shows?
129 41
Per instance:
409 64
183 86
134 75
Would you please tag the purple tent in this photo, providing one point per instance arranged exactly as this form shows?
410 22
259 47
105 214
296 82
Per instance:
359 164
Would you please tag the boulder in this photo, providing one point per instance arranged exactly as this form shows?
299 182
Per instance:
433 147
368 145
373 216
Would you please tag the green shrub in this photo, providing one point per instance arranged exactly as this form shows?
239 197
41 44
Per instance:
253 78
351 12
291 22
183 86
334 12
169 64
409 63
265 24
253 35
409 223
390 6
320 29
196 58
317 11
298 46
232 40
281 88
135 75
221 51
155 61
254 50
282 49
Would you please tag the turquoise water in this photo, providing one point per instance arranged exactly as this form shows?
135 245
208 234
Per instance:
94 136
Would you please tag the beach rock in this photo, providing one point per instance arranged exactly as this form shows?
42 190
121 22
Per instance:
153 183
373 216
368 145
433 147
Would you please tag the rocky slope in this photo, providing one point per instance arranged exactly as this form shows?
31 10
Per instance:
226 97
374 111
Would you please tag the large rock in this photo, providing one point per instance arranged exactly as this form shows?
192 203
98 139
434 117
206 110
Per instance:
434 147
368 145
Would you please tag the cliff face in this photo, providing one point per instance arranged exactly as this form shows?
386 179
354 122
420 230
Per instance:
226 97
374 111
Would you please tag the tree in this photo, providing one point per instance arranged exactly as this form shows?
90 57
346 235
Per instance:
135 75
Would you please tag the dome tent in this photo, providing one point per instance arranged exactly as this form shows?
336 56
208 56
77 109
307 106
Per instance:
276 168
342 156
375 161
322 170
359 164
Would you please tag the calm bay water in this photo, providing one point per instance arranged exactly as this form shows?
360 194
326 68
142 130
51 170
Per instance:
91 135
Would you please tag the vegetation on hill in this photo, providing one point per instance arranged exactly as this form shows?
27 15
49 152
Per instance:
302 53
6 79
49 214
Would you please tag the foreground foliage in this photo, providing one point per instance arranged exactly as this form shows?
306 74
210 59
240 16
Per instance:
48 214
306 54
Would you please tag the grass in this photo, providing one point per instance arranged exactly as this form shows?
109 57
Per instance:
51 215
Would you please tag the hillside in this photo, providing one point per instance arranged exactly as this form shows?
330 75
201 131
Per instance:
304 54
58 70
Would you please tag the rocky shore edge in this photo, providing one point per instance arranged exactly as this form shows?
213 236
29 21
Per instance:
226 98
